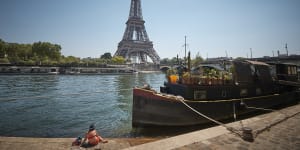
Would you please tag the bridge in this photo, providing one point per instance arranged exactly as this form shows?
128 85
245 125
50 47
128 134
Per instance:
164 68
292 59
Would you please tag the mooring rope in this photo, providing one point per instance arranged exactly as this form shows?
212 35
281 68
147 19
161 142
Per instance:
234 99
237 131
258 108
231 129
217 101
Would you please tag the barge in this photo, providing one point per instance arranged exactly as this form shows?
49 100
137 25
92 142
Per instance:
219 91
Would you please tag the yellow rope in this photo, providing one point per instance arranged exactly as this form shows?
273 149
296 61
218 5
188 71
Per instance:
212 101
231 129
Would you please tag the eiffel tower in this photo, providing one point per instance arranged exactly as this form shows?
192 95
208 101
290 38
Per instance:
135 44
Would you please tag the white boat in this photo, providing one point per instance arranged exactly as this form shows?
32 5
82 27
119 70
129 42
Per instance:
99 71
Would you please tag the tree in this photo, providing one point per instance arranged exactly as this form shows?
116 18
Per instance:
46 49
164 61
106 56
118 60
25 54
2 48
240 58
172 61
24 51
70 61
11 51
198 59
55 54
175 61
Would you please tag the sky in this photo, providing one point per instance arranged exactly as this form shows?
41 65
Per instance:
90 28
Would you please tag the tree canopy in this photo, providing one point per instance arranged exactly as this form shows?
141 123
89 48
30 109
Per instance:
49 54
47 50
177 61
197 60
106 56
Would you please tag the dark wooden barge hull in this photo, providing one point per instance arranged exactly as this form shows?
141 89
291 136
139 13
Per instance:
154 109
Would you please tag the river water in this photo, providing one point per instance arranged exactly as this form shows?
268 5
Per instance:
65 105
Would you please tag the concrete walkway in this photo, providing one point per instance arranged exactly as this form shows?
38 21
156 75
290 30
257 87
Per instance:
276 130
20 143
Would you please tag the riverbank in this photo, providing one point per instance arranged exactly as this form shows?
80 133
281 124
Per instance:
104 69
276 130
25 143
37 70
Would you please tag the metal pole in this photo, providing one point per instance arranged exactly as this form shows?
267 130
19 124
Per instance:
184 50
286 48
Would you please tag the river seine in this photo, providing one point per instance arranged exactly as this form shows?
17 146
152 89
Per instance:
65 105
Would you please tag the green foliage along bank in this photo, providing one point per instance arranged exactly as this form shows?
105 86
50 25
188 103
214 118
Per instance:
48 54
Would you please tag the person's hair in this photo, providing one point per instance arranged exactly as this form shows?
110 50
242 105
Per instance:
92 127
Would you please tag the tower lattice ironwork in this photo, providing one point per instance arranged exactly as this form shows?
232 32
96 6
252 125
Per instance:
135 42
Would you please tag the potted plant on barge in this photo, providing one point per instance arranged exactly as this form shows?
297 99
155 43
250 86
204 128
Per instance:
171 75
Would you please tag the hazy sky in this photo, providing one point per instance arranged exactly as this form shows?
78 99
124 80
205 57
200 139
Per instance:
89 28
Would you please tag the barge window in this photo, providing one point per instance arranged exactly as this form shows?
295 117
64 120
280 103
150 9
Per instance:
292 70
258 91
243 92
199 95
224 93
